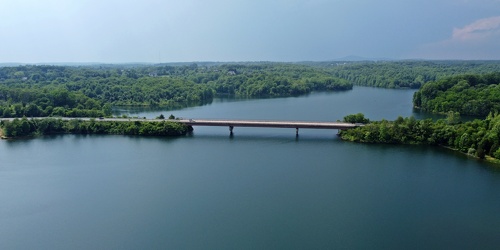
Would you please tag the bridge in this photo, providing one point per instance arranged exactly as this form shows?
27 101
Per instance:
231 124
268 124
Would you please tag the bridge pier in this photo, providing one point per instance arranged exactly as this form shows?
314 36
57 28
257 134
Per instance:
231 129
297 131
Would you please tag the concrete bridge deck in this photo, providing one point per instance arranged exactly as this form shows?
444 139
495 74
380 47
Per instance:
268 124
228 123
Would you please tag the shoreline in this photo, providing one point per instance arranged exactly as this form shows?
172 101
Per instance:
139 127
487 158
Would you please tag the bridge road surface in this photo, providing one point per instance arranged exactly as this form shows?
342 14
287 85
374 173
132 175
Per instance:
227 123
269 124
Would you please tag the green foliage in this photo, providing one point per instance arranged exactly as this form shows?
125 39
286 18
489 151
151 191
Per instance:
29 127
478 137
453 118
29 101
356 118
91 91
497 154
35 91
476 95
404 74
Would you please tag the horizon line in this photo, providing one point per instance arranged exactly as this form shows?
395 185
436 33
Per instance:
344 59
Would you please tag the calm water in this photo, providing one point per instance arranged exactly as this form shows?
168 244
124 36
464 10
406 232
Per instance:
260 189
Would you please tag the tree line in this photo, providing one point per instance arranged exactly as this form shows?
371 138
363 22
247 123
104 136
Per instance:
30 91
404 74
20 101
473 94
476 94
91 91
32 127
480 138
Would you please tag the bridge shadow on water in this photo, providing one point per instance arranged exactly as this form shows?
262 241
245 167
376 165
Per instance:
258 136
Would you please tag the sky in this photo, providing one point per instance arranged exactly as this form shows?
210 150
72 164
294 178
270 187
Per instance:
159 31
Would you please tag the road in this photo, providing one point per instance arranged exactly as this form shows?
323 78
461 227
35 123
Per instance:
225 123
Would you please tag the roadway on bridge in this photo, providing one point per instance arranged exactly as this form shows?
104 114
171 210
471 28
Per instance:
226 123
269 124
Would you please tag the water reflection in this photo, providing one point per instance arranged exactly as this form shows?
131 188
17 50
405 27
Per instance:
126 110
257 188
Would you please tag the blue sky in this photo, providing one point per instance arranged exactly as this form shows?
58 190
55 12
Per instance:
117 31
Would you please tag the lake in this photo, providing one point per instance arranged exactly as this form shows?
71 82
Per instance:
261 188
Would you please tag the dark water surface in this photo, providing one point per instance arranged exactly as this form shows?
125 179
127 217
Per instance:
259 189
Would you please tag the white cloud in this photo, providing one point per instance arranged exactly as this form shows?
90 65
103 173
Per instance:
480 29
478 40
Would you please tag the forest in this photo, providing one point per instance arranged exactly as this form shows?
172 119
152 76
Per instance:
32 127
404 74
453 87
479 138
92 90
34 91
473 95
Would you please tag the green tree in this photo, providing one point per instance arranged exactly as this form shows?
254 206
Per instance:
453 118
356 118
